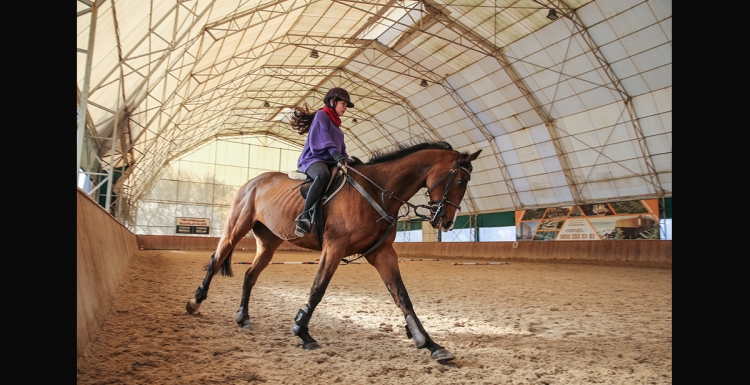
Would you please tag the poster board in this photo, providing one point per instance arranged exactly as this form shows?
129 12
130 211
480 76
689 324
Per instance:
635 219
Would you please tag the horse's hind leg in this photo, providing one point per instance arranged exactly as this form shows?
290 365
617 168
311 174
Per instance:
216 264
221 259
266 244
385 261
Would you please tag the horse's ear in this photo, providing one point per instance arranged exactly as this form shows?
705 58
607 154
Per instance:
474 155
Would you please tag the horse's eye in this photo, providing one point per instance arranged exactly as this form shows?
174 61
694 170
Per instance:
461 183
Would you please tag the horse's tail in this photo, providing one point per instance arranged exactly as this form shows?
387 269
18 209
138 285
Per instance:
226 267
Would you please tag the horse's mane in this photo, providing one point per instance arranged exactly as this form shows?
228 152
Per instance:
401 150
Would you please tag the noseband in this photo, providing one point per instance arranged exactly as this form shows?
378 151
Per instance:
437 208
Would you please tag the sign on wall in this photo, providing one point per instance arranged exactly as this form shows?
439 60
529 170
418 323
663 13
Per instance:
637 219
193 225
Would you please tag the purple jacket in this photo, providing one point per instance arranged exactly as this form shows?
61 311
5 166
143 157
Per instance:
322 140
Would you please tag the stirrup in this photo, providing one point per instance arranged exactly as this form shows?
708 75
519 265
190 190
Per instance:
303 225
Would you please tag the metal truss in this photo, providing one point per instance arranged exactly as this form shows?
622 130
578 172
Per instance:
580 29
411 111
498 53
86 127
150 128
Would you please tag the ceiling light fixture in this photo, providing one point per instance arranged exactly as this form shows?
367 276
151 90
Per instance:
314 54
423 83
552 15
266 104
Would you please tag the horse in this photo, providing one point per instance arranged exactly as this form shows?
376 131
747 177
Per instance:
355 223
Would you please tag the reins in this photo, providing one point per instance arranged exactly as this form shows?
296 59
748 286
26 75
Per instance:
391 219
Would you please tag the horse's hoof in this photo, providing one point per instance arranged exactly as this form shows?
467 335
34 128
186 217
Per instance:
245 324
189 307
243 320
442 355
311 345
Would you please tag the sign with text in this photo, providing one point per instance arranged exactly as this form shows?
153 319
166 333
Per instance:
193 225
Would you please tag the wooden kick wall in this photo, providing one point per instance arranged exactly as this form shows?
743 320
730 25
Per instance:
647 253
653 253
104 248
183 242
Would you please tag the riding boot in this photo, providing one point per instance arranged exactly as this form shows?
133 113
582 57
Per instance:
319 184
304 224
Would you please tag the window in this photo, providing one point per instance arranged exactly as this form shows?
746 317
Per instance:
409 231
409 236
665 229
457 235
84 183
497 234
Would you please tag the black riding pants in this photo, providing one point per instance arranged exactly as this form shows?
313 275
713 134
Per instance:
318 171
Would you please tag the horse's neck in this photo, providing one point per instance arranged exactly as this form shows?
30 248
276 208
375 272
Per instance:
403 177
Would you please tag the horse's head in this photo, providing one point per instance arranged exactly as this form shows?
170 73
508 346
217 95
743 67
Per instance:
446 185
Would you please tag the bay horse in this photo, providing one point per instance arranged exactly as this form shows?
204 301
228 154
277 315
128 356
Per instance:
355 223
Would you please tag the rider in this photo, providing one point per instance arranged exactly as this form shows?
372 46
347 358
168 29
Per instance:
323 148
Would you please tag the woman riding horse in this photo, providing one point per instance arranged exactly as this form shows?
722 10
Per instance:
324 147
356 223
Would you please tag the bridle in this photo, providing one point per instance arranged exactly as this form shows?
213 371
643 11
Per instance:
436 208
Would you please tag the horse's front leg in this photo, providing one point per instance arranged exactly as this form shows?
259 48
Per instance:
329 262
386 262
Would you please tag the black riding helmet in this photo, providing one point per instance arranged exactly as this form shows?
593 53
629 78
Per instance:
337 93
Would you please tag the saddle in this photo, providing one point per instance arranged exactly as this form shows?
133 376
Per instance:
337 181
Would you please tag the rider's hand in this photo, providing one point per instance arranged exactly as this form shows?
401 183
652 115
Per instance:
340 159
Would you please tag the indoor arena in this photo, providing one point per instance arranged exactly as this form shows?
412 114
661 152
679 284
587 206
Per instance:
382 192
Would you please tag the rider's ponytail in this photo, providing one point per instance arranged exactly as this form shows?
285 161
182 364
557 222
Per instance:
301 119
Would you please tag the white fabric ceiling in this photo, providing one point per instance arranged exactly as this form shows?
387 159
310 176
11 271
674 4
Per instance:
568 111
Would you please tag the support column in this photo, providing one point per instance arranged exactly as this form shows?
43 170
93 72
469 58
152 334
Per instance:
85 91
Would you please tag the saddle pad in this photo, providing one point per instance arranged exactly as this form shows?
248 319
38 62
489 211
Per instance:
297 175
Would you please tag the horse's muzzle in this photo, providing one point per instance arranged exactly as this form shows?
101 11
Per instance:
440 222
447 226
438 211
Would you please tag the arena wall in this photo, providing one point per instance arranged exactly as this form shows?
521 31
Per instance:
184 242
104 247
654 253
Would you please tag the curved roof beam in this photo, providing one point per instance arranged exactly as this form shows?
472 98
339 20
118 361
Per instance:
146 78
290 71
266 12
582 30
261 14
425 73
421 28
411 111
498 54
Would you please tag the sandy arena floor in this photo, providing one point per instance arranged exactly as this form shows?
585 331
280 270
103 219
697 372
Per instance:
517 323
